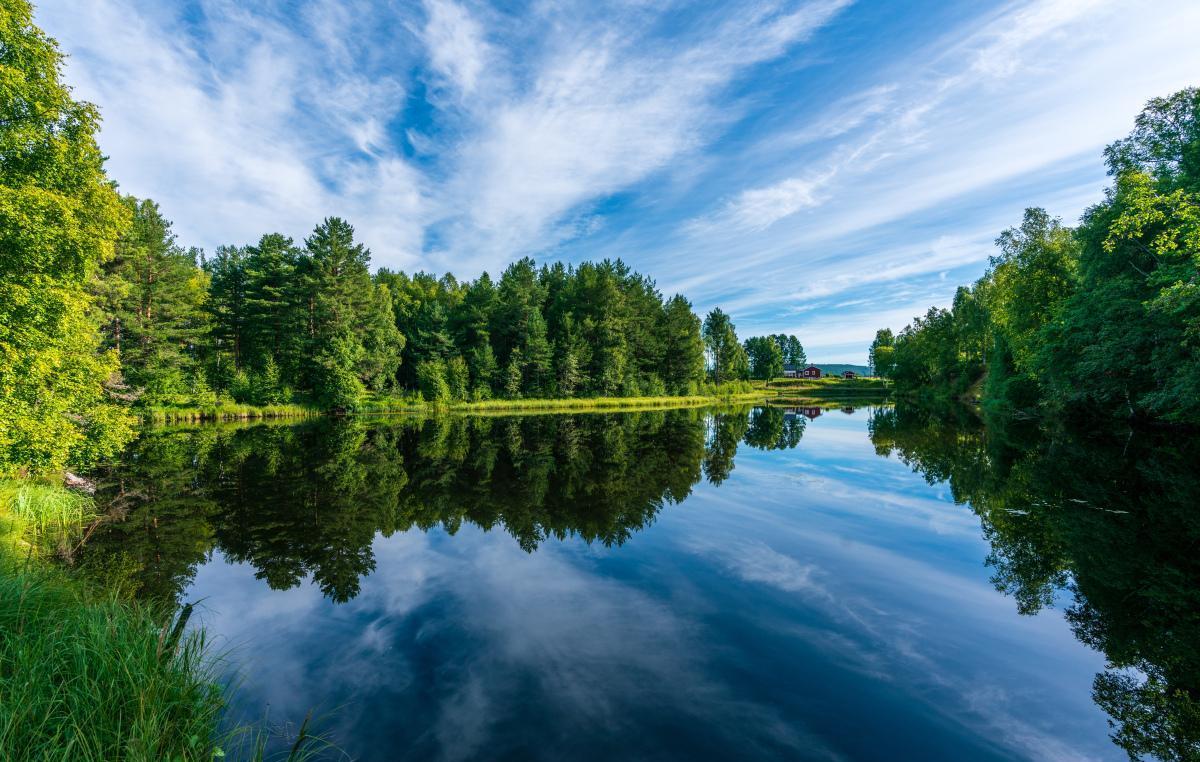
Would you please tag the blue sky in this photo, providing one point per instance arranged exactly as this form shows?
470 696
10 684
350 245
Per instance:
822 168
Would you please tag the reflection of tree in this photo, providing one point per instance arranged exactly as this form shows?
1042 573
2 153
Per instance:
1113 521
773 428
159 518
726 431
303 500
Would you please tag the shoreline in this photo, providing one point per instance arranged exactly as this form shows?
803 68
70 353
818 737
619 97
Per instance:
777 391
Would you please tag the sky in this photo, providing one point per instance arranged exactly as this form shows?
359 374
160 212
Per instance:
823 167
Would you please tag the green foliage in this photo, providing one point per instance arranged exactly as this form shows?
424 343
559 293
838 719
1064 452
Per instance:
683 348
727 358
152 296
458 378
512 376
765 354
593 330
335 385
431 381
881 356
59 219
1104 519
793 350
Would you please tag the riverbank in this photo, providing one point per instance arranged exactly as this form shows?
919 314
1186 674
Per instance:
412 403
570 404
828 386
225 412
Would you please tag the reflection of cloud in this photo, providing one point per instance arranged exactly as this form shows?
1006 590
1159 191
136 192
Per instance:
756 562
596 649
899 618
465 646
507 630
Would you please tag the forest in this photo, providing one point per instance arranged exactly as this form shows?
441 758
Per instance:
1104 316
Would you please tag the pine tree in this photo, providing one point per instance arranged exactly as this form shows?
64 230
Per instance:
683 348
720 339
227 313
274 319
157 317
538 357
513 376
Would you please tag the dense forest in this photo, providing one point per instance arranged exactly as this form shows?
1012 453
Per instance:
1104 316
103 312
275 321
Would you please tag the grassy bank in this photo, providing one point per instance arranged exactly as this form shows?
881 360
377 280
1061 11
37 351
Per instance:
85 675
571 404
226 411
94 678
829 386
88 675
38 518
413 403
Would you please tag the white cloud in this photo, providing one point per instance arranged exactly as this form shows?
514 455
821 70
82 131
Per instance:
458 134
456 47
607 108
267 128
758 208
1032 92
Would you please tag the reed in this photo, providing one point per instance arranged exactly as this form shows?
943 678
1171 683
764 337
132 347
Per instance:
716 395
86 674
38 517
226 411
98 679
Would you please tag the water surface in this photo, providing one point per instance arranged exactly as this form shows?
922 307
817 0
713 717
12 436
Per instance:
759 583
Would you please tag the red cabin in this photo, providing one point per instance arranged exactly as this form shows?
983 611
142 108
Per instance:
849 374
812 371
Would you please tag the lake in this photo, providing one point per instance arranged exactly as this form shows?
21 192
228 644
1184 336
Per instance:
870 583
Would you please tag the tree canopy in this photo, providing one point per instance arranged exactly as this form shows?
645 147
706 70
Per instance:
59 219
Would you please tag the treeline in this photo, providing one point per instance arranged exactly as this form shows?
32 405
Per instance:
759 357
1102 316
276 321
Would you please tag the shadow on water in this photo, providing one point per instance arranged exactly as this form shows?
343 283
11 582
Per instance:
1105 524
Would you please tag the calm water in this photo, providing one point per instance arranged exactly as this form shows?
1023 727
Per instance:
748 584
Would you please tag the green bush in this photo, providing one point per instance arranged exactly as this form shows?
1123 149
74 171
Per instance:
431 380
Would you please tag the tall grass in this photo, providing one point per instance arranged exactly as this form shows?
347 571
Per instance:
412 402
88 675
830 385
98 679
38 517
225 411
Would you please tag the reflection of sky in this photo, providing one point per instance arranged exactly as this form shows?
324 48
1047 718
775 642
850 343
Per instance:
822 603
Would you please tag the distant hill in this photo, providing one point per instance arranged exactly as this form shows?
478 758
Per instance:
838 369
